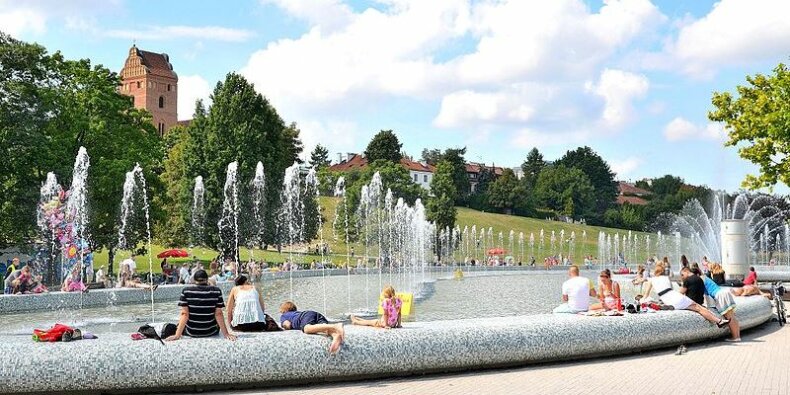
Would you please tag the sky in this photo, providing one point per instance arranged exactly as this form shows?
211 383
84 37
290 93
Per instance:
630 78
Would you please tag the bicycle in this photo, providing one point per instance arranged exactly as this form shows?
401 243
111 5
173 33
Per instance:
778 291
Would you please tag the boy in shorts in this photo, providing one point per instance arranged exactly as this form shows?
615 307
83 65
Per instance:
311 323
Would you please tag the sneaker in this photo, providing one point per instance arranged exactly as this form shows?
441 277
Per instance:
67 336
736 340
723 323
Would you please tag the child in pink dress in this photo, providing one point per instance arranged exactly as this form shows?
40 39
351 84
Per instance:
391 306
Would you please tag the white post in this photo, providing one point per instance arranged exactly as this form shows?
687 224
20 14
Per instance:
734 251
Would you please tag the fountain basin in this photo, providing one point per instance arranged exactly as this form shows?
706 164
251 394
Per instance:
116 364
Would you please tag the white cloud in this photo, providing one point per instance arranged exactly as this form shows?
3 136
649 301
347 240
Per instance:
528 138
328 14
734 32
190 89
681 129
625 167
18 21
618 89
336 136
216 33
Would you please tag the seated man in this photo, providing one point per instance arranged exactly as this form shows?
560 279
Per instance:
312 323
576 293
201 310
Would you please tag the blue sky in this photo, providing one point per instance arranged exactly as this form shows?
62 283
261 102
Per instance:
630 78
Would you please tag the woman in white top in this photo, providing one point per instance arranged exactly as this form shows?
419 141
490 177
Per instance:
665 292
245 307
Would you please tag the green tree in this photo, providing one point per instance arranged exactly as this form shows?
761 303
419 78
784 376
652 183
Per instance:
506 193
384 146
666 185
532 167
441 208
431 156
598 173
393 176
52 107
319 158
565 190
175 229
240 126
455 156
757 120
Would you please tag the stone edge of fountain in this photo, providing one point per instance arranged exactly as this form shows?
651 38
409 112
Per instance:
116 364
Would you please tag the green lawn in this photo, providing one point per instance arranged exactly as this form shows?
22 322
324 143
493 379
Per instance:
466 217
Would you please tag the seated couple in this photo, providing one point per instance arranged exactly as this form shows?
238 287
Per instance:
577 290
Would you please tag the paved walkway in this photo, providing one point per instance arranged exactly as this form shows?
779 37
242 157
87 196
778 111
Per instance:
758 365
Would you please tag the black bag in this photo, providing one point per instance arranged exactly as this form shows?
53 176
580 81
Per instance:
271 324
150 332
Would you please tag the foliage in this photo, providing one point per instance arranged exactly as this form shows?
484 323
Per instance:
241 126
441 208
393 176
326 181
384 146
455 156
759 116
506 193
532 167
598 173
319 158
565 190
431 156
51 107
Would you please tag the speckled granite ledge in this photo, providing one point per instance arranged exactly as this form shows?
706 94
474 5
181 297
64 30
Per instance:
116 364
119 296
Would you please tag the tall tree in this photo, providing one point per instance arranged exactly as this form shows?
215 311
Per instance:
758 117
240 126
431 156
54 106
565 190
532 167
506 193
599 174
666 185
319 158
455 156
385 146
441 208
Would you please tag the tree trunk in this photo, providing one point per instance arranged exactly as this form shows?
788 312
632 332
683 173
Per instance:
111 256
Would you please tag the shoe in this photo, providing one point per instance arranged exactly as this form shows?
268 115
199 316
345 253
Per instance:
736 340
77 335
67 336
723 323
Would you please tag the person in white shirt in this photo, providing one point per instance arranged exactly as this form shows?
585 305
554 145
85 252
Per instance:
130 264
183 274
576 293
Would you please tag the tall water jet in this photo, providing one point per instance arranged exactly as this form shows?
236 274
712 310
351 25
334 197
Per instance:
311 184
292 211
134 185
340 191
258 209
198 215
48 217
228 224
77 213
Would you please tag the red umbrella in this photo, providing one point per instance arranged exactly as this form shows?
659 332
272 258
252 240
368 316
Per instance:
496 251
174 253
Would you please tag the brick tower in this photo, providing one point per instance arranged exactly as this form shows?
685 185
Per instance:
150 79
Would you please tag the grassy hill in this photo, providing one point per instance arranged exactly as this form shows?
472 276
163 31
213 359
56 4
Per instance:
466 218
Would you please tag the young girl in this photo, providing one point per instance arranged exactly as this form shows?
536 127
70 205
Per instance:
391 306
608 293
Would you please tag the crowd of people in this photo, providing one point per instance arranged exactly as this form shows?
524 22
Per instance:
699 290
202 313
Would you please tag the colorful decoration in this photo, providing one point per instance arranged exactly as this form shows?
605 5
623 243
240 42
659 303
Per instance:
67 233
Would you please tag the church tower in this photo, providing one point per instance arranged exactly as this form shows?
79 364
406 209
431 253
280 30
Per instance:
150 79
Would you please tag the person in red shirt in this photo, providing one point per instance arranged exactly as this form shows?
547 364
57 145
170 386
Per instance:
751 278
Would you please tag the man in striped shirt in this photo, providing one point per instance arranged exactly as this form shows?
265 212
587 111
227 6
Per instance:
201 310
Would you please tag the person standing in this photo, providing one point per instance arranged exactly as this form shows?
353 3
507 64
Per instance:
576 293
201 310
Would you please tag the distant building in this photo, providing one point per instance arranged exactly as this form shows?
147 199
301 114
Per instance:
631 194
420 173
150 79
473 171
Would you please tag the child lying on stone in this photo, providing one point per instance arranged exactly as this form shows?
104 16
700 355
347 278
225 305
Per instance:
312 323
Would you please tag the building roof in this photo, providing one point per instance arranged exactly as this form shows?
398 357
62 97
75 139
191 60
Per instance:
357 161
473 167
630 189
185 123
141 62
635 200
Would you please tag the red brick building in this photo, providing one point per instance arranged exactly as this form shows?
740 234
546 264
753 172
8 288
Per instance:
631 194
150 79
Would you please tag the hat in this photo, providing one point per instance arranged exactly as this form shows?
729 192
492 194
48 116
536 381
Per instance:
201 275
